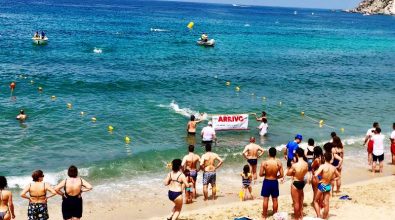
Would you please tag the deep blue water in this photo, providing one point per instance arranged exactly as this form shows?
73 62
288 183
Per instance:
334 66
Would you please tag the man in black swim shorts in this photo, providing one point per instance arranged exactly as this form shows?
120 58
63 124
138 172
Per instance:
252 152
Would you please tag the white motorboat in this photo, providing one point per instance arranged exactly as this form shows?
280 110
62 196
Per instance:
209 43
40 40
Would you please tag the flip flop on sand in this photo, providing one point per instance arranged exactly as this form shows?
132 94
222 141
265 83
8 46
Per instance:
345 197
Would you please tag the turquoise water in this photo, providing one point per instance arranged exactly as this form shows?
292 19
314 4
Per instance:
103 57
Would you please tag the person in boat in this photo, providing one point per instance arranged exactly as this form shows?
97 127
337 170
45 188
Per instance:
36 35
204 37
42 35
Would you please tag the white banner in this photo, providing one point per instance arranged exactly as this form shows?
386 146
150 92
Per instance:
230 122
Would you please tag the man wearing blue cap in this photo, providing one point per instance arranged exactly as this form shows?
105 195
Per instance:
290 150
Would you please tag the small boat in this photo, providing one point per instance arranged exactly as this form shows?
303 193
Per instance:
40 40
209 43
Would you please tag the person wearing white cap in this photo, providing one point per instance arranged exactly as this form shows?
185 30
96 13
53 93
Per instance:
208 134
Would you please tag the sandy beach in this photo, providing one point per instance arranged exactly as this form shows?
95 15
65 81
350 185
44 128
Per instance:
372 198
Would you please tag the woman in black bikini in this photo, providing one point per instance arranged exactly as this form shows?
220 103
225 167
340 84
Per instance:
175 180
6 205
73 187
37 190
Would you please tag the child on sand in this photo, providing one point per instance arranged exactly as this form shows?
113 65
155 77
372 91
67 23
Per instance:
246 178
189 190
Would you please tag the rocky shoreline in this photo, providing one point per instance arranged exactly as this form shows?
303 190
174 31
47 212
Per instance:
369 7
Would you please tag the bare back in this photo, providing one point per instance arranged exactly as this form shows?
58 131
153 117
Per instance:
208 161
299 170
328 173
271 168
38 192
192 126
4 199
251 151
73 186
191 161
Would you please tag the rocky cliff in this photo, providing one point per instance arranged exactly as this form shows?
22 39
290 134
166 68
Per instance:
376 7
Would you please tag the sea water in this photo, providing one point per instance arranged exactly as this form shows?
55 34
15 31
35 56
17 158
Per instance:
135 65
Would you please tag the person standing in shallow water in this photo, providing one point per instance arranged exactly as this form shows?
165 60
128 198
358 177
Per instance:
272 170
73 187
252 152
38 209
369 141
6 204
298 171
175 180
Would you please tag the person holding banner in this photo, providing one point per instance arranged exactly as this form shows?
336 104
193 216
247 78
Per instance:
208 134
252 152
191 126
263 116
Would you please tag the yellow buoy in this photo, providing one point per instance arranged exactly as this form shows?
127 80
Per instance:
342 130
82 113
190 25
237 89
53 97
110 128
127 140
302 113
227 83
93 119
69 105
322 122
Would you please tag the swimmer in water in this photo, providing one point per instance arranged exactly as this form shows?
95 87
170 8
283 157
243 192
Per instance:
21 116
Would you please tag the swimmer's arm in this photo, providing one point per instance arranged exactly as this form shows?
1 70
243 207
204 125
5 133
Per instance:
318 172
166 181
262 151
184 180
340 160
291 171
286 153
280 165
245 153
50 189
86 186
337 175
11 205
262 170
60 186
24 191
220 162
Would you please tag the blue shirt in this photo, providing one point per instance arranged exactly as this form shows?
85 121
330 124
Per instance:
291 148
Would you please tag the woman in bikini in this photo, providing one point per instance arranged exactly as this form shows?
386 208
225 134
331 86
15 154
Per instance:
72 187
318 160
37 190
6 204
175 180
339 151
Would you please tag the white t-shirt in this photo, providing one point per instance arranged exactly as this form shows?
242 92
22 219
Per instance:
208 133
370 132
263 129
393 135
378 144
